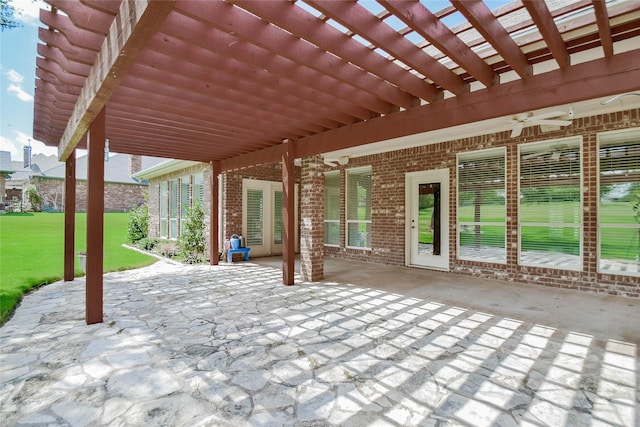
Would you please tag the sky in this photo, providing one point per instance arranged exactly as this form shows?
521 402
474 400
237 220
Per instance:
18 47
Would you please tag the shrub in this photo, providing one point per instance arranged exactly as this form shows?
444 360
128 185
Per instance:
168 249
138 223
147 243
191 242
35 199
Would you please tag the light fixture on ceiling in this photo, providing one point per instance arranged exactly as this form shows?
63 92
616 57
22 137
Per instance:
606 101
343 160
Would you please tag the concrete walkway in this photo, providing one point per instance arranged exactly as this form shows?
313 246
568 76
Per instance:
230 346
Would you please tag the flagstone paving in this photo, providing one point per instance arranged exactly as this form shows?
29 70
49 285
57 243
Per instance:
230 346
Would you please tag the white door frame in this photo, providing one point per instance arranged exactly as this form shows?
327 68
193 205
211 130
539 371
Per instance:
412 181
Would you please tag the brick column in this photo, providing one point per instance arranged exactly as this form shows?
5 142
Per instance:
312 219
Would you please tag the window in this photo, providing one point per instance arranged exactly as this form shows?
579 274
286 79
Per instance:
185 183
481 206
277 217
619 202
255 217
550 204
332 209
198 187
359 208
173 209
164 209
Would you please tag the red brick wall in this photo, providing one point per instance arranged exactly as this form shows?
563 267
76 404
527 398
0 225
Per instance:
118 197
388 206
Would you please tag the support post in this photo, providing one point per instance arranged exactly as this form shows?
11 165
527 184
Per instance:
312 219
288 214
214 207
95 219
69 216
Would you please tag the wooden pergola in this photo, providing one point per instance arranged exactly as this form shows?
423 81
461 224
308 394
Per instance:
239 83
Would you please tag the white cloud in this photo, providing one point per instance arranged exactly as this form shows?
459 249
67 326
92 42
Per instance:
14 76
28 11
19 93
16 145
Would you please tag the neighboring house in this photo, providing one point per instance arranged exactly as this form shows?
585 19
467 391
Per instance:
450 205
122 190
5 169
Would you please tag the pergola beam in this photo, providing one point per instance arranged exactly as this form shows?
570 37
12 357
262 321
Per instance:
136 23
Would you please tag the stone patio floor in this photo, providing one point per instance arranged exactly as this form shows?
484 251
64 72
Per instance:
230 346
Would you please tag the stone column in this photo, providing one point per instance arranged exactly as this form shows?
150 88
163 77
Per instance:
312 219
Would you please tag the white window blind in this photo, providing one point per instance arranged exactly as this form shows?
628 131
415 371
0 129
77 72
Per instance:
359 208
185 183
255 217
277 217
550 204
332 208
164 209
198 187
619 202
173 209
481 206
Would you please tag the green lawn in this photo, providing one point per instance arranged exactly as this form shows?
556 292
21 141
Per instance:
32 250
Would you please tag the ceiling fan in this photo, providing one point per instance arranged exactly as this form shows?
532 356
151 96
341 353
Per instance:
553 118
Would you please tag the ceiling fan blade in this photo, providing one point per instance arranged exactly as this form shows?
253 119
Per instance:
517 130
549 115
551 122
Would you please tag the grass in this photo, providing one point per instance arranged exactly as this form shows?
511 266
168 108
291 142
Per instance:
32 252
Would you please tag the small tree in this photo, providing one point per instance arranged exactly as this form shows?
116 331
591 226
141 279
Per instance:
34 198
191 242
138 223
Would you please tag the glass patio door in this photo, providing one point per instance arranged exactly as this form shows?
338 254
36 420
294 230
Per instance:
428 219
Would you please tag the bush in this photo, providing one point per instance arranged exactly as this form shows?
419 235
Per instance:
191 242
138 223
168 249
35 199
148 243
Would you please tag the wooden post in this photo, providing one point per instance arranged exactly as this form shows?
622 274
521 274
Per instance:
70 217
95 218
214 207
288 214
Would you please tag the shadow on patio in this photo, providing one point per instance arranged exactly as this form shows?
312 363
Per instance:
229 345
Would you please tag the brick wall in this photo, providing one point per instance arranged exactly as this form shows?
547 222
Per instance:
388 206
118 197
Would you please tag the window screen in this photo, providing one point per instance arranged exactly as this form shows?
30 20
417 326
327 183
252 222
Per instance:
550 205
332 209
481 206
277 217
619 207
173 209
198 187
359 208
185 183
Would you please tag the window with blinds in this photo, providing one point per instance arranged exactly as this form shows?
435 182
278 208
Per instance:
619 202
359 208
185 184
198 187
332 208
277 217
550 204
481 206
164 209
255 217
173 209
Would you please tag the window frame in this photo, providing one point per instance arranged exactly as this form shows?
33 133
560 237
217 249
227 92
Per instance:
348 221
532 147
326 221
479 155
634 134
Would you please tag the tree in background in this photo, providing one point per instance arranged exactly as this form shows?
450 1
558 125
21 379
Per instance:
191 243
7 20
